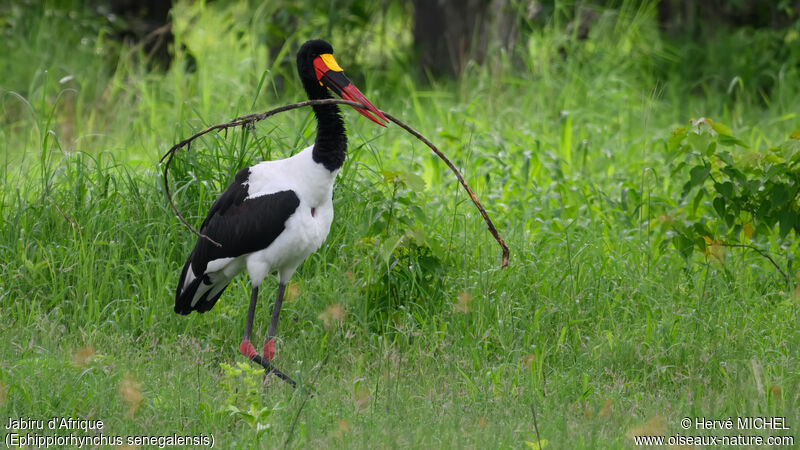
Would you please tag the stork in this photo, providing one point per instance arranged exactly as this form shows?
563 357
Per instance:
275 213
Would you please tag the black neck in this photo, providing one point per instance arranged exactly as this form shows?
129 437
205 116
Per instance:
330 147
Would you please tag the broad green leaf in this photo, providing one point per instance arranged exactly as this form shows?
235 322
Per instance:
773 158
725 189
779 195
677 137
686 188
244 415
674 142
264 413
751 159
763 211
419 213
787 221
721 129
388 246
725 157
730 219
700 243
778 169
413 181
699 141
702 231
684 245
418 235
733 172
697 199
712 147
390 175
750 186
719 206
698 174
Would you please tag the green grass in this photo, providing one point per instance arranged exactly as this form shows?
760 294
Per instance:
598 324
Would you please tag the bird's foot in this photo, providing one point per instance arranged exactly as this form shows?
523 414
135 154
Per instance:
269 349
246 348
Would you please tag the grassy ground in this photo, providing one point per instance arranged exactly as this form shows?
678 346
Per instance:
403 321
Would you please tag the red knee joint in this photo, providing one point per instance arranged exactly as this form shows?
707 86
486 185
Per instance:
269 349
247 349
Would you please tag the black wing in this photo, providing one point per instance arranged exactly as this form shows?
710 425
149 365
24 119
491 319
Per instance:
242 225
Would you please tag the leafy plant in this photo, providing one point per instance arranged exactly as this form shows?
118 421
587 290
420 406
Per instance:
243 383
409 258
731 197
255 417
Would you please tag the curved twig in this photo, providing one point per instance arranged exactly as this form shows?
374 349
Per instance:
455 171
252 118
760 252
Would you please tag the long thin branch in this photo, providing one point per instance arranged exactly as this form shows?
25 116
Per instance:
477 203
760 252
252 118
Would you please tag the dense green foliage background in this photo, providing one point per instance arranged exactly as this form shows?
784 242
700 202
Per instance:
603 324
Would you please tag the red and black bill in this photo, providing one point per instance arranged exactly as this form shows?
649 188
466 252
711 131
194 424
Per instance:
331 75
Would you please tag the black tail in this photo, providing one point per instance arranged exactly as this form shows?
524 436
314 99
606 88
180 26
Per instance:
184 297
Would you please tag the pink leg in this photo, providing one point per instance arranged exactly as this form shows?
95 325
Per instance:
269 349
246 348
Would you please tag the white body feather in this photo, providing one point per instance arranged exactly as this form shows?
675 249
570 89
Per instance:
304 231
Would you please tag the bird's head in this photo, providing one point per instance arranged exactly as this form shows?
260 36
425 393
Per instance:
319 72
